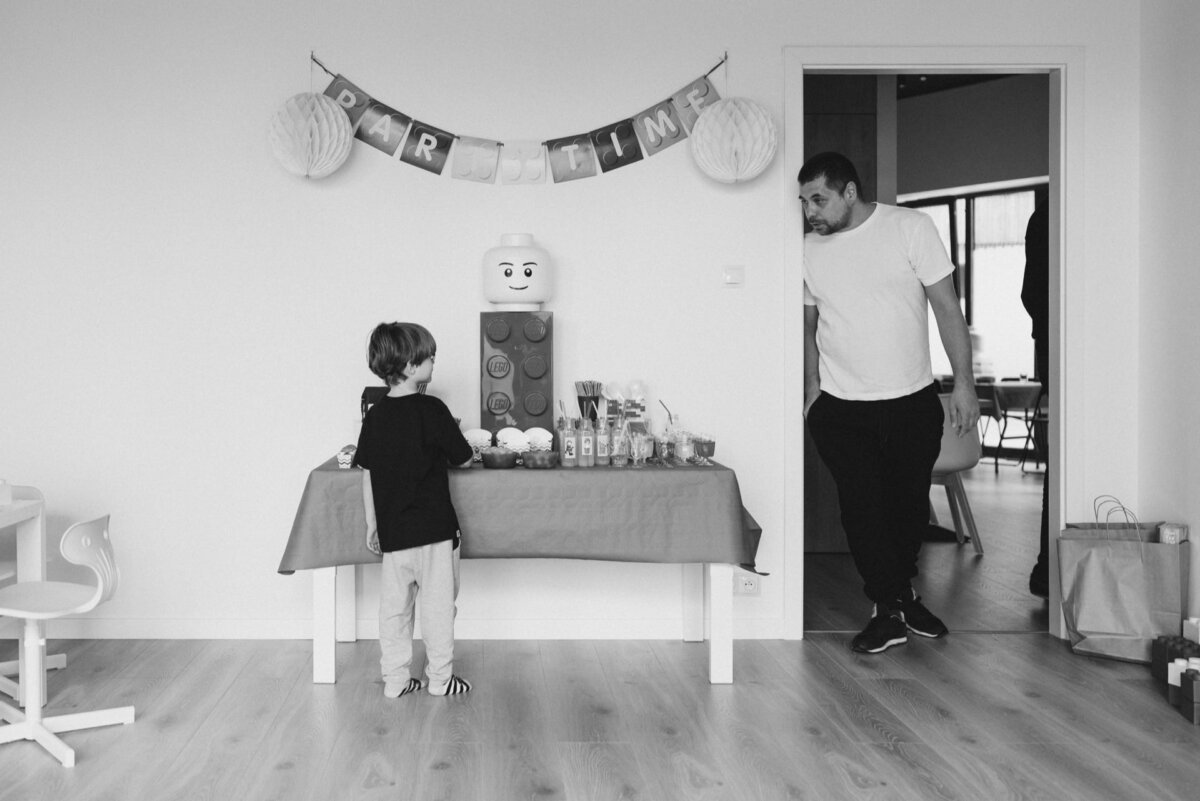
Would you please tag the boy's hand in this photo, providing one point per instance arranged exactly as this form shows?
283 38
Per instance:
373 542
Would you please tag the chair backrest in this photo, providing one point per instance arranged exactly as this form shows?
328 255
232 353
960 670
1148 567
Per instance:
958 453
88 544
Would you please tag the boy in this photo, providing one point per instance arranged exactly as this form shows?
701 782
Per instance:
407 441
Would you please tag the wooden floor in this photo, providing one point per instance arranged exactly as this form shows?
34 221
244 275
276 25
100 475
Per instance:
997 710
970 592
972 716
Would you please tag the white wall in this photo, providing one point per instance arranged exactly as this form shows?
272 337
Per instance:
184 323
1168 278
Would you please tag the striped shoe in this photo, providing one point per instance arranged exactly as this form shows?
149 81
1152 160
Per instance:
395 689
455 686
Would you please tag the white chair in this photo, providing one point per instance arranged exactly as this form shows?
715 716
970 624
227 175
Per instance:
9 570
84 544
958 454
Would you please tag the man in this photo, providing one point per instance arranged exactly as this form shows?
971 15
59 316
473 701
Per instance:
872 272
1035 297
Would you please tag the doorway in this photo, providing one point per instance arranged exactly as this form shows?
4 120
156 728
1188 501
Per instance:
961 63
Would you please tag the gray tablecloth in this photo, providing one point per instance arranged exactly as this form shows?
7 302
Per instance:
652 514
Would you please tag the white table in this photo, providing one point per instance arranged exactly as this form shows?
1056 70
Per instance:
707 615
28 518
690 516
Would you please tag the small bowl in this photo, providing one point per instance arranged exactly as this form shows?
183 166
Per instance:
704 447
541 460
499 458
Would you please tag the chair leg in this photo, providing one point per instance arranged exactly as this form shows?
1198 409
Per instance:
12 667
31 725
954 512
999 444
964 507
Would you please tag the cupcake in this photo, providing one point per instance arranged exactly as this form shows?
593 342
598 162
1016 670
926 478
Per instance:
539 439
512 438
478 439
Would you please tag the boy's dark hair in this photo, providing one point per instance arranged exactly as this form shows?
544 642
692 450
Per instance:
394 346
837 169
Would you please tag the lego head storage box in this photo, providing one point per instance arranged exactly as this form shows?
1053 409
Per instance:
516 386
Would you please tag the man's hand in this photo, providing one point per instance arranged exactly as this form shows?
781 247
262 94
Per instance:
809 399
373 541
964 407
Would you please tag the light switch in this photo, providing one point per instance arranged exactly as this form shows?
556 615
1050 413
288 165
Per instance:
733 275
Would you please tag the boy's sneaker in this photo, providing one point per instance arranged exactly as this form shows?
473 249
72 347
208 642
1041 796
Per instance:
397 688
885 630
455 686
919 619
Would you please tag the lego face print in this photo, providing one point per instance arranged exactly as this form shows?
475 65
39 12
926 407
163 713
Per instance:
517 272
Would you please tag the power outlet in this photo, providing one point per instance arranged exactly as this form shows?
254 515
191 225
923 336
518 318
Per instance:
745 583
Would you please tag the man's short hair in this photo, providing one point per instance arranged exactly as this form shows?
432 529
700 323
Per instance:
394 346
838 171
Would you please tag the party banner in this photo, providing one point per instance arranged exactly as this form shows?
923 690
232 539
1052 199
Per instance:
691 100
659 127
616 145
523 163
475 159
427 147
349 97
382 127
570 158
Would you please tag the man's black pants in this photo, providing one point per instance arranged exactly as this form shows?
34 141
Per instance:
881 454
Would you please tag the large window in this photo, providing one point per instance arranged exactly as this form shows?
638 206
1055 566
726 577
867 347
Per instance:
984 233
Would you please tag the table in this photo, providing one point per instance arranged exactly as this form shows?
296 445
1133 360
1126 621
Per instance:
1013 400
28 517
684 515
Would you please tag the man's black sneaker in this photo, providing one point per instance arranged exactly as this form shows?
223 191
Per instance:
920 620
1039 583
885 630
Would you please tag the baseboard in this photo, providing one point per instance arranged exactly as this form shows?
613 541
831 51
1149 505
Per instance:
367 629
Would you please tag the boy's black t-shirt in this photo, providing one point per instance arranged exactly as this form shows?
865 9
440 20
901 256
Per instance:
407 443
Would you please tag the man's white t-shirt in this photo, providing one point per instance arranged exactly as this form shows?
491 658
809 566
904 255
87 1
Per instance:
868 284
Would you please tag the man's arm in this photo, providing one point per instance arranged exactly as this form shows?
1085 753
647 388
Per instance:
952 327
369 511
812 373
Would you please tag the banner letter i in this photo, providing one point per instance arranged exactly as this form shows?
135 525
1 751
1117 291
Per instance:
616 144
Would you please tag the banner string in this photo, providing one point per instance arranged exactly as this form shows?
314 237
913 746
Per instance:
317 61
724 59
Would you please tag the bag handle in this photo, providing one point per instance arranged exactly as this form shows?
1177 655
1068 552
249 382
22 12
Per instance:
1111 505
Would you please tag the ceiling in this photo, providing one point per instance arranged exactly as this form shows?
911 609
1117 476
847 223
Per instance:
916 85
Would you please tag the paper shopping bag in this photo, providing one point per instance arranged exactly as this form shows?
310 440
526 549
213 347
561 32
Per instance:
1119 590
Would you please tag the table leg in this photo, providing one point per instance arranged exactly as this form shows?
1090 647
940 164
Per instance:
31 566
324 625
719 603
693 603
347 605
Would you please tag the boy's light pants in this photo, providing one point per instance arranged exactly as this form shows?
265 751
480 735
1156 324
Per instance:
433 571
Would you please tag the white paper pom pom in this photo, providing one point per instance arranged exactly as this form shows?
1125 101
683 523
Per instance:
311 135
733 140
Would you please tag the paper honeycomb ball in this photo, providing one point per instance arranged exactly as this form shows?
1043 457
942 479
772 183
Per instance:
733 140
311 135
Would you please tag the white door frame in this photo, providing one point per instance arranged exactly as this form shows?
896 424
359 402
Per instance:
1065 67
